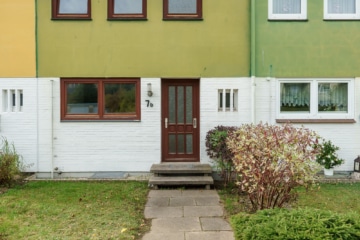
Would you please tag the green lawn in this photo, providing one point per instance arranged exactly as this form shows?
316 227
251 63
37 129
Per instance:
341 198
74 210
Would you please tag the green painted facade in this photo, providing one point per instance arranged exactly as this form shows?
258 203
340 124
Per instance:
217 46
312 48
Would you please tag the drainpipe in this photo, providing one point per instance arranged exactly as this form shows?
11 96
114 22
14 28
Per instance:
52 129
37 89
252 60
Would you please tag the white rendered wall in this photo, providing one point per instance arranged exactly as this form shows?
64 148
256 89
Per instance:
89 146
19 125
212 117
46 143
344 135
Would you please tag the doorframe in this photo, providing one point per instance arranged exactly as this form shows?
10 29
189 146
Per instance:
196 139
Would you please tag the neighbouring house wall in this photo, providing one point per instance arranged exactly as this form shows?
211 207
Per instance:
345 135
17 38
311 48
217 46
19 124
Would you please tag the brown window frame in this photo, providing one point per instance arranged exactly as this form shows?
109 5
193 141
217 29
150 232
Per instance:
101 115
182 16
56 15
130 16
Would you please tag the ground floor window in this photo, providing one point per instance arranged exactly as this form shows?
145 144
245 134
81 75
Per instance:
315 99
100 99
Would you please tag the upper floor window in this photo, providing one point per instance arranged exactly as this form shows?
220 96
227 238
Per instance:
182 9
287 9
315 99
71 9
126 9
341 9
100 99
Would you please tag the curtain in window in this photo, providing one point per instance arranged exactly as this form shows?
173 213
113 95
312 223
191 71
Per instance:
333 96
286 6
295 94
342 6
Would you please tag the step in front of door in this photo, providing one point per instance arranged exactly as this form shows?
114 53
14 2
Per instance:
181 180
181 168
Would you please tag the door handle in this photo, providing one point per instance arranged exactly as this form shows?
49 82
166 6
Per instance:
166 123
194 123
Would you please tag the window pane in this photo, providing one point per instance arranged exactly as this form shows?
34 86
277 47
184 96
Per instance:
189 143
295 97
172 103
82 98
180 104
128 6
333 97
73 6
286 6
342 6
120 98
180 146
189 110
182 6
172 143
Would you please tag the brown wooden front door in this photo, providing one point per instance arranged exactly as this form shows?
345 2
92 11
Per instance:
180 120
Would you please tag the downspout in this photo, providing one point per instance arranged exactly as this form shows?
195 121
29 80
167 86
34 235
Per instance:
37 88
252 60
52 129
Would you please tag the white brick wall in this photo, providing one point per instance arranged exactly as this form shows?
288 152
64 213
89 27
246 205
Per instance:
346 136
209 114
20 128
134 146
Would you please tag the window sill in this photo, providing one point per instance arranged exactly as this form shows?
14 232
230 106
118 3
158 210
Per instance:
315 121
71 18
94 120
127 19
182 19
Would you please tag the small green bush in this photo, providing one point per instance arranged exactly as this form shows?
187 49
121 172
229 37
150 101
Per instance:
217 150
328 156
296 224
10 163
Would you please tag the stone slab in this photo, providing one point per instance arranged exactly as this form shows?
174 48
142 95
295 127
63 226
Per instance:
164 236
199 193
182 201
207 201
223 235
215 224
157 202
203 211
181 168
163 212
185 224
165 193
181 180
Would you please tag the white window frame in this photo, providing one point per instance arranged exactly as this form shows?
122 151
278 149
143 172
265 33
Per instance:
341 16
276 16
314 113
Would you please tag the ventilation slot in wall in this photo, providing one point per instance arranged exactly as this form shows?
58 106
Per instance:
12 100
227 100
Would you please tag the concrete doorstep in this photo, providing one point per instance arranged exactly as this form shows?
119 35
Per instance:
186 215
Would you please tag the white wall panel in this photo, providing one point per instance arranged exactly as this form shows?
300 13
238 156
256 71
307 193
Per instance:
19 127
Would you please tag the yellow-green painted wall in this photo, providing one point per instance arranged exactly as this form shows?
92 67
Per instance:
17 38
312 48
217 46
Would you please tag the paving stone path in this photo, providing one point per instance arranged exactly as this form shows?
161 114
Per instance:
186 215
